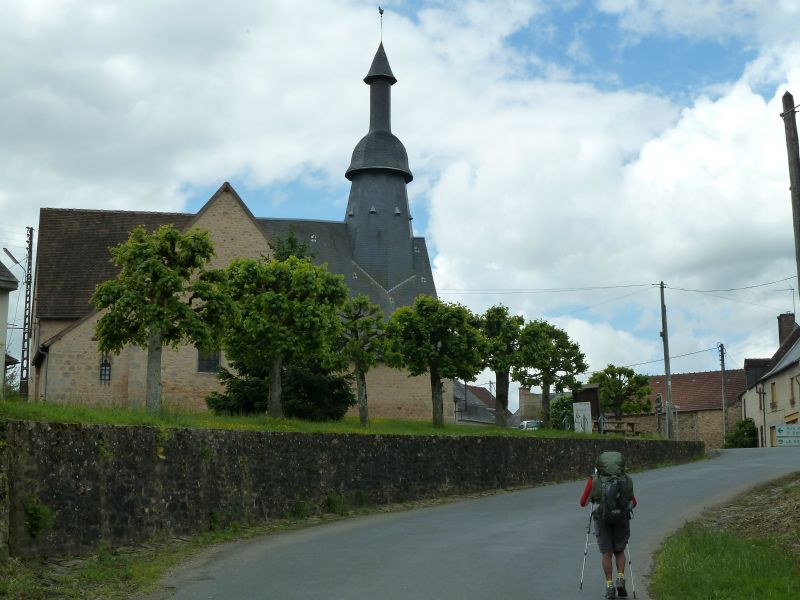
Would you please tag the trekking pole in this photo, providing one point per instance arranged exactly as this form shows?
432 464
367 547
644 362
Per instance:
586 548
630 569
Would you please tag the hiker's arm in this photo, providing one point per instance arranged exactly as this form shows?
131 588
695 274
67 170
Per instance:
633 501
586 491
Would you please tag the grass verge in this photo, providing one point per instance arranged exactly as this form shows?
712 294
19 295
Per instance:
742 550
172 418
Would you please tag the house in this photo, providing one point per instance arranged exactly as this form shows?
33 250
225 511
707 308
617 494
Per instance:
773 385
373 247
8 283
478 407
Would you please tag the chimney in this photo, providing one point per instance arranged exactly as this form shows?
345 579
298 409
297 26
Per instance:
786 325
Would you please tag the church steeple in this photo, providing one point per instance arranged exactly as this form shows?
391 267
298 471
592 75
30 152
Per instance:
378 217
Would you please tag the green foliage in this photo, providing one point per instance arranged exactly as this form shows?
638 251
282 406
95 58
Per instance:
285 311
300 510
561 411
549 359
435 337
502 334
38 516
243 395
336 504
622 390
312 393
163 295
744 435
291 246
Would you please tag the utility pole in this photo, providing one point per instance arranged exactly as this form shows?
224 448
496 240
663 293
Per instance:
793 152
724 397
667 378
26 323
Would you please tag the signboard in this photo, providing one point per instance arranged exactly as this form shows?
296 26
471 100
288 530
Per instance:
582 416
787 435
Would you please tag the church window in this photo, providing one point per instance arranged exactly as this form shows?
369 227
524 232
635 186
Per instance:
313 238
207 361
423 279
372 210
105 369
416 249
391 299
355 275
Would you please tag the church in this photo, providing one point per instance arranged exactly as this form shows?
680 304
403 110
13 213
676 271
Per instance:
374 248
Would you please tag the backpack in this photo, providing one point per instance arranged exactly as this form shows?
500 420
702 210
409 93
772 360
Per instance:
612 489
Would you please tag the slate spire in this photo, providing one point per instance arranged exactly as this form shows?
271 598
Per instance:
377 216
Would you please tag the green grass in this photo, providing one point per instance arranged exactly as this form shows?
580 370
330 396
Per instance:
173 418
705 564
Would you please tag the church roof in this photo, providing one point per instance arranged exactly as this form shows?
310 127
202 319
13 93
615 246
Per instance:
73 256
380 150
380 68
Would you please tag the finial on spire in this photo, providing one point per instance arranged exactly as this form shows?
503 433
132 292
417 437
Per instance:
380 12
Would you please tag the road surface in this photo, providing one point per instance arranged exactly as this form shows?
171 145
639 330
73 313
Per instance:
520 545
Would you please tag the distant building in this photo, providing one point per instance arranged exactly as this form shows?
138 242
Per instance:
373 248
773 385
478 406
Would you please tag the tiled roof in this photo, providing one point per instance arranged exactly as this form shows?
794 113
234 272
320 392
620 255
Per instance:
483 395
700 391
10 360
789 355
73 254
7 279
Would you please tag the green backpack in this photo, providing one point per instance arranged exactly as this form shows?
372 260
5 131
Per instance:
612 489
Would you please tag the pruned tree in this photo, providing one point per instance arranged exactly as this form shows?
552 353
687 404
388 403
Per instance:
363 328
438 338
622 390
502 333
163 295
284 310
549 359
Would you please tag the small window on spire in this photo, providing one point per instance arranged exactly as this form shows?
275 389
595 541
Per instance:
313 238
416 249
396 210
355 275
372 210
423 279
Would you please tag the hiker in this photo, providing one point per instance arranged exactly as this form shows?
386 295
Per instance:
611 489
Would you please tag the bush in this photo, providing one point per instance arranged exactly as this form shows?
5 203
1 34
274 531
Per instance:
315 394
243 395
744 435
561 408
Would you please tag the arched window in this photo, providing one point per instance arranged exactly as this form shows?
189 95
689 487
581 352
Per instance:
105 369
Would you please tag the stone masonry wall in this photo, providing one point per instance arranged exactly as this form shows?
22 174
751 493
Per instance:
91 485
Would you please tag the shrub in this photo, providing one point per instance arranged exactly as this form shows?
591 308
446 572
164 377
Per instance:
314 394
242 396
744 435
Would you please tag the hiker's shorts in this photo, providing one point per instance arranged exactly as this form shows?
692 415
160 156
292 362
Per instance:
612 537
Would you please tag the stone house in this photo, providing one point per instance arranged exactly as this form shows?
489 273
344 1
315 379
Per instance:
373 248
773 384
8 283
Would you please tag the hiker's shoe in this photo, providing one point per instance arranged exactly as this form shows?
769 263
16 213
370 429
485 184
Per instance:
611 592
621 591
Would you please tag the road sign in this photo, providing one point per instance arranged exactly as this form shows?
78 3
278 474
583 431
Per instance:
787 435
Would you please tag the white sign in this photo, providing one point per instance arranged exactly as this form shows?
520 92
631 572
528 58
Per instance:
787 435
582 415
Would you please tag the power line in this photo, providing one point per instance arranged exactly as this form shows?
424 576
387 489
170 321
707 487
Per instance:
572 312
649 362
748 287
539 290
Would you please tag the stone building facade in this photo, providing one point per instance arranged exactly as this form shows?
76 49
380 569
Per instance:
373 248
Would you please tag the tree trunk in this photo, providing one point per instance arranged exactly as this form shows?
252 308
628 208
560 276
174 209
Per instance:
361 390
153 378
546 404
502 398
436 399
274 403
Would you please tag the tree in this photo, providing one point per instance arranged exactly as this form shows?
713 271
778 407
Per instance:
502 333
744 435
363 327
549 359
622 390
561 411
163 295
438 338
290 246
284 310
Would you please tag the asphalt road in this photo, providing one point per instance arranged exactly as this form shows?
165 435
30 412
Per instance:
521 545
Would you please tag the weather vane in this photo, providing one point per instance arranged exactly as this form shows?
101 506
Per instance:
380 12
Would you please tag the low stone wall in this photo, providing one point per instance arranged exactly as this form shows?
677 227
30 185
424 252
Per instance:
67 489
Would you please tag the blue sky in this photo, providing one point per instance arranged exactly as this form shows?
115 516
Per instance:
561 150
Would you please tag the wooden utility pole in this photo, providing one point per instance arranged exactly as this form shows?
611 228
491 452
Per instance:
724 398
793 152
667 378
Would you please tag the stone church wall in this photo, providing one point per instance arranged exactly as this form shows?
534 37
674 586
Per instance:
114 486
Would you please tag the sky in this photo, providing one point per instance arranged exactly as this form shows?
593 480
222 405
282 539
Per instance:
567 156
